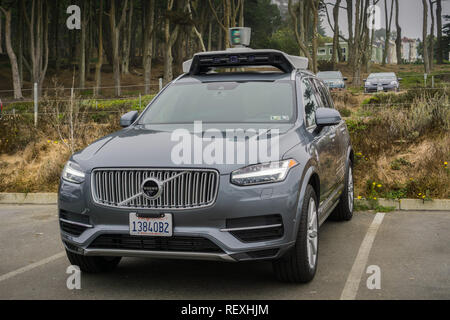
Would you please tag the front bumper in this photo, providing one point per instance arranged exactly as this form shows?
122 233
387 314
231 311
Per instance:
374 88
209 223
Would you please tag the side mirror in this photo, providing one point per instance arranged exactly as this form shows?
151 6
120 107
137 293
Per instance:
399 79
128 118
364 80
345 78
327 117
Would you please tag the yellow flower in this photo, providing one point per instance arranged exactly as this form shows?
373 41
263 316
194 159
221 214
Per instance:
374 183
445 163
48 141
359 197
56 142
379 185
420 194
374 198
423 197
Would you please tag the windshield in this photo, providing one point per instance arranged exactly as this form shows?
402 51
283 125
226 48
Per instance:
329 75
225 102
390 76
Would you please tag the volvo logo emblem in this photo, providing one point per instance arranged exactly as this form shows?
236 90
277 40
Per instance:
151 188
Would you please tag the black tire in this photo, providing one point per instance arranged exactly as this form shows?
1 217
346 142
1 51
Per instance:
294 266
93 264
344 210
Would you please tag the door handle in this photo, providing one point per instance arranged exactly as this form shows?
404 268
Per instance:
332 136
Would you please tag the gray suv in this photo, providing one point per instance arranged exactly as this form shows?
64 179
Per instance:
125 195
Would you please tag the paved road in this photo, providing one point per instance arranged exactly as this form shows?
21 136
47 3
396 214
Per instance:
412 250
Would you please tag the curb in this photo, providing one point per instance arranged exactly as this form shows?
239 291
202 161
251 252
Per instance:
28 198
401 204
413 204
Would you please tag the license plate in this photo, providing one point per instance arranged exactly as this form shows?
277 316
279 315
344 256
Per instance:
380 88
143 226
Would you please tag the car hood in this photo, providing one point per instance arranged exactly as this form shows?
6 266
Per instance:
152 146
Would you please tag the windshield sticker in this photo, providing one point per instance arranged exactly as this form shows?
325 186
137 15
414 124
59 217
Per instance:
279 118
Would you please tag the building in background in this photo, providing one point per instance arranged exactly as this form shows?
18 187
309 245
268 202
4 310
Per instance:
325 51
409 50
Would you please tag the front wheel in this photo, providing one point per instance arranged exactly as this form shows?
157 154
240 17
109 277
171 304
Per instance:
344 209
93 264
300 263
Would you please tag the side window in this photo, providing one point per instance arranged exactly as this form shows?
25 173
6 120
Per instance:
325 95
310 102
330 99
321 90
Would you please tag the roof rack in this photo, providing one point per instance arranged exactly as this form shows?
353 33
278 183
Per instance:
243 57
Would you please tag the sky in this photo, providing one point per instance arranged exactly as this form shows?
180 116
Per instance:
411 15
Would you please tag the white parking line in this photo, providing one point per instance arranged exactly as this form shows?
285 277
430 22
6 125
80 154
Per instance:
29 267
355 275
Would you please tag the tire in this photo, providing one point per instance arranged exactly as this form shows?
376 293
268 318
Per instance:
93 264
299 264
344 209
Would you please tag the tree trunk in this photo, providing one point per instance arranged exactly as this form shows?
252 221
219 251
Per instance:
431 50
424 36
1 32
98 66
148 44
241 15
209 35
225 25
38 34
357 55
82 57
299 31
169 40
336 33
12 56
115 37
194 28
20 40
56 34
351 47
439 52
398 40
127 41
388 30
315 15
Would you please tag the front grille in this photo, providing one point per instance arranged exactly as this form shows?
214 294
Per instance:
127 242
192 189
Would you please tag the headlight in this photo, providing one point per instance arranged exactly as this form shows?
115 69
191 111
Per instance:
394 83
72 173
367 83
262 173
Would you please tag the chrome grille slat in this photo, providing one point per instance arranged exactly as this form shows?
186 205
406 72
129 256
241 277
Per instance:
194 188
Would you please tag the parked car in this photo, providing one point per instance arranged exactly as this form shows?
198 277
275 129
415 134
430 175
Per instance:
333 79
381 81
123 196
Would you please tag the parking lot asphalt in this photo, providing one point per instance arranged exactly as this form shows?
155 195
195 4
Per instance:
411 251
